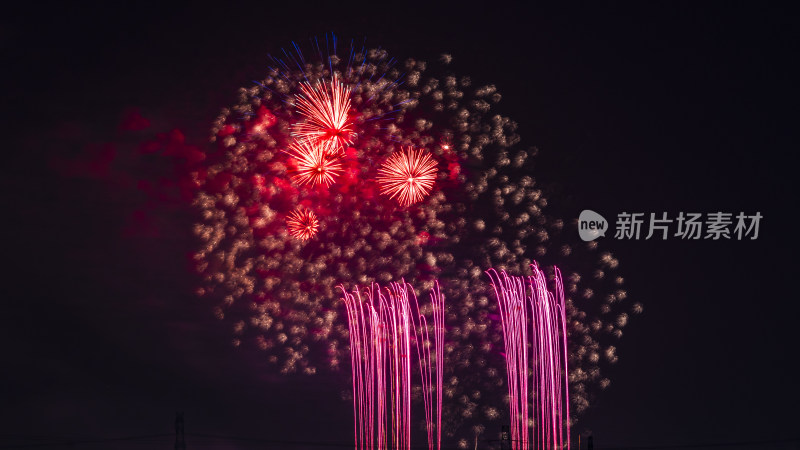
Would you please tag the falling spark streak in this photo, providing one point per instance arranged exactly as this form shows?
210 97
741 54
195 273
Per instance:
426 363
326 109
408 175
513 313
548 346
316 163
381 328
302 224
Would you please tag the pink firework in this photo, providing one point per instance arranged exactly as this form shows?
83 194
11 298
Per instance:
316 163
381 329
431 365
408 175
302 224
326 108
527 306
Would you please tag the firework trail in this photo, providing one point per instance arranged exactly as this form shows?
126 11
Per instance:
350 113
548 345
550 366
511 299
381 329
431 366
367 357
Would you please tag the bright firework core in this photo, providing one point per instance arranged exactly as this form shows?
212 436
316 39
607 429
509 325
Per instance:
326 109
302 224
316 162
321 138
408 175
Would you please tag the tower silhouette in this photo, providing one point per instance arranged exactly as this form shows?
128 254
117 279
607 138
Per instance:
180 443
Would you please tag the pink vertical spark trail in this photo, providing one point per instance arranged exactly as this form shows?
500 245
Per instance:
382 326
431 365
521 298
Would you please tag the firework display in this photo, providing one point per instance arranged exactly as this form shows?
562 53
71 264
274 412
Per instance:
525 303
326 109
302 224
343 166
315 162
407 175
382 327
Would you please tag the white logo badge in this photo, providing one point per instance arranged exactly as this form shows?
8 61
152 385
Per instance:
591 225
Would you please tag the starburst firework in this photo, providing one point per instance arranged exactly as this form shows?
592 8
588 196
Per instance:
408 175
316 162
302 224
486 211
326 108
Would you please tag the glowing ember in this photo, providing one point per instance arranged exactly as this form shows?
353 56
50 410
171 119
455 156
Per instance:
408 175
316 163
302 224
326 109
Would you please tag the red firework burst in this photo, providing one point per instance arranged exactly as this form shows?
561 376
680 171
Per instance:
408 175
302 224
316 162
326 108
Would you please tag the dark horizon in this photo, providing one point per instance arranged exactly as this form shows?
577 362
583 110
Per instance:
634 108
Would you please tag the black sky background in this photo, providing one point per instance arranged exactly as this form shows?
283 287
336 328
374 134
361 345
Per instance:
649 108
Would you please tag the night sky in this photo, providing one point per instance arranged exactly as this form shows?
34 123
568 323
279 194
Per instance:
646 109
